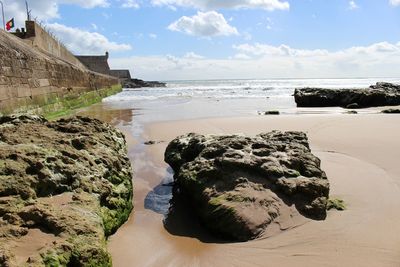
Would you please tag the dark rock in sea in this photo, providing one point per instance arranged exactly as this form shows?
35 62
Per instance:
272 112
381 94
391 111
68 183
352 112
136 83
386 85
152 142
239 185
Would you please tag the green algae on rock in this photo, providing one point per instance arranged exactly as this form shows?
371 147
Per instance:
335 203
64 186
239 186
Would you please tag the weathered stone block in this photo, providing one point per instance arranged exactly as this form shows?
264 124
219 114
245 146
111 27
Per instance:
43 82
24 91
7 71
41 90
4 92
4 80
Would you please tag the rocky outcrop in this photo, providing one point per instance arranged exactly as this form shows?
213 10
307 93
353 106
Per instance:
239 186
381 94
64 187
136 83
391 111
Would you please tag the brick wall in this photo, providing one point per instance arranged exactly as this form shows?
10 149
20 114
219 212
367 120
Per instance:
30 78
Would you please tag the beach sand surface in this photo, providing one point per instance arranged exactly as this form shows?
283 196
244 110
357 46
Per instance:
361 156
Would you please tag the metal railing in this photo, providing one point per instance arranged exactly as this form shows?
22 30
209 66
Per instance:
43 26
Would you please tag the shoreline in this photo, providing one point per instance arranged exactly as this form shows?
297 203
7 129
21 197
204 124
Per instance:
346 157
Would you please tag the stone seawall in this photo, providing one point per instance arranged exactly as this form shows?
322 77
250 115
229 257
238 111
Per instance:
32 80
39 38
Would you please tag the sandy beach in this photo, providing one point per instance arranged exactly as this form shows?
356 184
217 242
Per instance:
359 154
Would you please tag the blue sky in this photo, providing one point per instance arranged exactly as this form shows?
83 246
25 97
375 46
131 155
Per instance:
193 39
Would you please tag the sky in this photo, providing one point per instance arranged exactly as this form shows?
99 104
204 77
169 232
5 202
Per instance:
228 39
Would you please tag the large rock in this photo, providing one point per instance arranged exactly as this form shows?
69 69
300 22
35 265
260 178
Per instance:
137 83
240 185
381 94
64 187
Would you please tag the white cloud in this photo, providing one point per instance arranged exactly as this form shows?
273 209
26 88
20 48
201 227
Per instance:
153 36
204 24
241 56
270 23
267 61
44 10
395 2
84 3
84 42
130 4
353 5
247 36
282 50
192 55
217 4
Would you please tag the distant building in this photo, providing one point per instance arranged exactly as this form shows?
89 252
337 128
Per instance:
96 63
122 75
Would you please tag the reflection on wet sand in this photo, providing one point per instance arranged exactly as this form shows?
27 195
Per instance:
109 115
158 199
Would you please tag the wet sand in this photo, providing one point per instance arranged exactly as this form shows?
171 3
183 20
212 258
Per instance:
360 154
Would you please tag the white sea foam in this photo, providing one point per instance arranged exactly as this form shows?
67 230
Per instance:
237 89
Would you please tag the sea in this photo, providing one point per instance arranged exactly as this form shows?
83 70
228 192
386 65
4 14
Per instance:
215 98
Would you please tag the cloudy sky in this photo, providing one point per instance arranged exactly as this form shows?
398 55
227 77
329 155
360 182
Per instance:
214 39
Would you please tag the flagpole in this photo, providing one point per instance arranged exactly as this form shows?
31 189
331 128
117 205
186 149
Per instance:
28 15
2 12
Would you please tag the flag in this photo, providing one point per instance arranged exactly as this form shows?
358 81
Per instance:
10 24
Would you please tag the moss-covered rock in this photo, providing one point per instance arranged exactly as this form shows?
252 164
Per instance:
239 186
335 203
68 183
